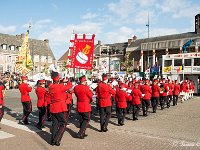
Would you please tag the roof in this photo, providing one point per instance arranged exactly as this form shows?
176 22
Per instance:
64 57
37 47
119 46
138 42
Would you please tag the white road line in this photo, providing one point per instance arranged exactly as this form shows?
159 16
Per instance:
27 128
4 135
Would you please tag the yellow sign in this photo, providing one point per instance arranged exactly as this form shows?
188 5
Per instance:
24 63
167 69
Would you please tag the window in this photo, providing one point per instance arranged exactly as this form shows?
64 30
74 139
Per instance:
43 59
187 62
177 62
4 46
49 59
8 59
36 58
18 47
167 63
196 61
12 47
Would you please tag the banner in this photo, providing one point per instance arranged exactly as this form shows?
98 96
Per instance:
24 63
82 52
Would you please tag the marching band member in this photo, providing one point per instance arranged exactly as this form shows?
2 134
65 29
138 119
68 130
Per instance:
41 103
58 108
104 94
2 87
146 90
165 92
191 88
121 99
170 95
155 95
176 92
184 90
129 90
84 98
136 103
48 100
25 89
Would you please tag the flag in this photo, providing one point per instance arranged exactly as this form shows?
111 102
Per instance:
82 52
167 69
180 68
24 63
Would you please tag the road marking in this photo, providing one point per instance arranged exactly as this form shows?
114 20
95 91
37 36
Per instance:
27 128
4 135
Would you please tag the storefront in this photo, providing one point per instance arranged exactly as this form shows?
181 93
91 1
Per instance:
182 66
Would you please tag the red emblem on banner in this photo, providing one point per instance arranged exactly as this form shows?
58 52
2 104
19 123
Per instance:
82 55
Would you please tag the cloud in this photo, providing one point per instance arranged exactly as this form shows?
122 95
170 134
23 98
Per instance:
120 35
7 29
123 8
38 24
89 15
180 8
54 6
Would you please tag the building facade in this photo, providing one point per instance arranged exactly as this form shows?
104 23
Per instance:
40 51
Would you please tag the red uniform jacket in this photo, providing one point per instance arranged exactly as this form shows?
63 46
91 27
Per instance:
24 90
121 97
184 87
84 98
129 94
40 92
136 95
47 98
155 90
1 95
171 88
176 89
104 94
166 89
191 86
58 97
146 89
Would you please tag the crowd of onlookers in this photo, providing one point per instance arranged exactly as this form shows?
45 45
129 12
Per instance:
10 80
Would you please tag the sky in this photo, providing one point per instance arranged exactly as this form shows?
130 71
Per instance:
112 21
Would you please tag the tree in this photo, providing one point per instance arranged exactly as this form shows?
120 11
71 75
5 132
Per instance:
127 64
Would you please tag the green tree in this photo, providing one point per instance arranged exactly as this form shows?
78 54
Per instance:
127 64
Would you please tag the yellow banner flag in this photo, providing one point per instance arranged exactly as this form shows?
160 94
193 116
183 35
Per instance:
24 63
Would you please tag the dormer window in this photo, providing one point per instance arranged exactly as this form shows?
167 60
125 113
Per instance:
12 47
4 46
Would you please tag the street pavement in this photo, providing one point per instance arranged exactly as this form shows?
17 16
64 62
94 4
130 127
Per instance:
174 128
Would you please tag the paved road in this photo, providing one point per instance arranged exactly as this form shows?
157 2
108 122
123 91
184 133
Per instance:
174 128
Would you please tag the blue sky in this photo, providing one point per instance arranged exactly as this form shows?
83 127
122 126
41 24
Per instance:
111 20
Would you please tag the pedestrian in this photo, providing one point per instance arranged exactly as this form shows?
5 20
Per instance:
121 98
58 108
84 98
105 92
136 102
25 89
155 95
2 87
41 103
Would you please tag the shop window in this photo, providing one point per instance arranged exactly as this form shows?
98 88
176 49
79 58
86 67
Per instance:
167 63
187 62
177 62
196 61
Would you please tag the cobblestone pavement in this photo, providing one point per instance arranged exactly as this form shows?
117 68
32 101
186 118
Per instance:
174 128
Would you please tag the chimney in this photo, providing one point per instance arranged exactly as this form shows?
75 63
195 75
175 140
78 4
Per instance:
46 40
129 41
197 24
99 42
22 35
134 38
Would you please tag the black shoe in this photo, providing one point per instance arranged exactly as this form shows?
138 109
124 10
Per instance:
134 119
85 135
80 137
26 123
105 130
39 127
57 144
52 143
